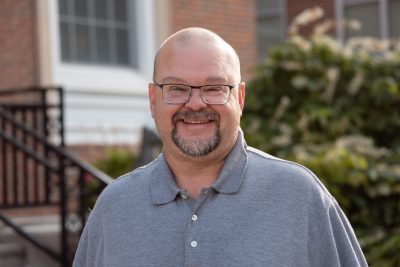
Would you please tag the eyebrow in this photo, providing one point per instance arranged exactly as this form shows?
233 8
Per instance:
217 79
174 79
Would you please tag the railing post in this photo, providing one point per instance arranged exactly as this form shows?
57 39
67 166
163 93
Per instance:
25 160
63 213
61 115
35 169
45 121
82 197
14 177
4 163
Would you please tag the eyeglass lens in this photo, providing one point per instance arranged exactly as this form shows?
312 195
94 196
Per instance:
211 94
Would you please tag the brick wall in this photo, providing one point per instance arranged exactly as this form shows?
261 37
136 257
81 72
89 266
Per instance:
295 7
18 44
233 20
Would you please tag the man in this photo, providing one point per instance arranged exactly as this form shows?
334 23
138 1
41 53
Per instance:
209 199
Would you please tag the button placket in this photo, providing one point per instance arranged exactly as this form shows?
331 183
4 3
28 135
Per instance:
193 230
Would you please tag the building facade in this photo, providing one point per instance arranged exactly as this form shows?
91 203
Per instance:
101 51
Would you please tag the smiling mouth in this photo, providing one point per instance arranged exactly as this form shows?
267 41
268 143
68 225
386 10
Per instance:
193 118
195 121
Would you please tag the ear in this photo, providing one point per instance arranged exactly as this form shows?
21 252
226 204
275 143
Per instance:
151 93
242 89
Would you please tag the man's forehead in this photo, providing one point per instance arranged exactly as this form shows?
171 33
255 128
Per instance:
208 80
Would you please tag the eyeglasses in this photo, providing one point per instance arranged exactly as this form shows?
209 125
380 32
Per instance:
210 94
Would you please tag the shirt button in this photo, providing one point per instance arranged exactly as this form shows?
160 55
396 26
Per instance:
194 217
206 191
184 196
193 244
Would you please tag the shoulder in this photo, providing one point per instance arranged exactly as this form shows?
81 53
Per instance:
133 185
285 176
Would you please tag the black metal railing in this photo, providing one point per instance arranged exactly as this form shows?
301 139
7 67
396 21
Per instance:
37 171
41 108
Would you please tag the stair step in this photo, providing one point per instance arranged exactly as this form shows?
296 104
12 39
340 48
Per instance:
12 255
45 229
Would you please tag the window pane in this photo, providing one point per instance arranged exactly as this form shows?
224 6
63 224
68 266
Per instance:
101 9
268 4
104 37
82 43
122 47
368 15
65 41
103 45
81 9
63 7
269 33
120 10
394 18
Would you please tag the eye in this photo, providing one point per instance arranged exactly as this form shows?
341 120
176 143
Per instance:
214 89
177 89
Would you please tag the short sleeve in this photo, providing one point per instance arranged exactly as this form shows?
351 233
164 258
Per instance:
333 242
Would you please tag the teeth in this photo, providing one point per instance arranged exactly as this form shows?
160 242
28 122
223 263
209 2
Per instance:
195 122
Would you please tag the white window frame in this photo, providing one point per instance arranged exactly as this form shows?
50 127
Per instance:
98 78
383 15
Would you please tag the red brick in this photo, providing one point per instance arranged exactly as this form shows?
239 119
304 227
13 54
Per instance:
233 20
18 44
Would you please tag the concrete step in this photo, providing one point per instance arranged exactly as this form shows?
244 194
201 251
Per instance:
46 229
33 224
12 255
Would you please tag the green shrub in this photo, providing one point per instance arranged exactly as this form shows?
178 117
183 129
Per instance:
117 162
336 109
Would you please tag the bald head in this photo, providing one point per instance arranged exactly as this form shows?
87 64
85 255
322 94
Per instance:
198 37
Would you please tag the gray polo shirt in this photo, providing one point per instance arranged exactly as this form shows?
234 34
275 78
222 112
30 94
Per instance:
261 211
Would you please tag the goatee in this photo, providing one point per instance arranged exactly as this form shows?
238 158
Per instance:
196 146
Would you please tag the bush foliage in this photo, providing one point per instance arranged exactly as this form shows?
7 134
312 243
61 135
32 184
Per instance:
336 109
117 162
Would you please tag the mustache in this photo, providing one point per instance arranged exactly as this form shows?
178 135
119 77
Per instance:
195 115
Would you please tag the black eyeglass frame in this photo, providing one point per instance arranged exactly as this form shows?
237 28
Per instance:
196 87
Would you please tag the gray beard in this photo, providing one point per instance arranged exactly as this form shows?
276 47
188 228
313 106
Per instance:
196 146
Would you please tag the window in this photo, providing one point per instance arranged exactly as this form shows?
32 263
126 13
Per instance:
100 32
368 15
394 18
378 18
270 25
94 55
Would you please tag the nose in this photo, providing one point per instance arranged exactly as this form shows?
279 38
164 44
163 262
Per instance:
195 101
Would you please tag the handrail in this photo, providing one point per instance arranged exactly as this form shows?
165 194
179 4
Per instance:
28 151
15 91
39 103
56 163
97 174
32 240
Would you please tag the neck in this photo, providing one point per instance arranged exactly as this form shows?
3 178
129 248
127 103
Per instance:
193 174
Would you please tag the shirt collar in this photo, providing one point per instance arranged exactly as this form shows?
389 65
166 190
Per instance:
164 188
231 176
